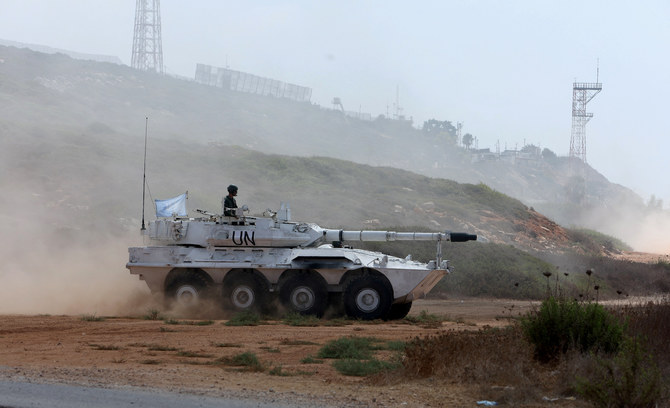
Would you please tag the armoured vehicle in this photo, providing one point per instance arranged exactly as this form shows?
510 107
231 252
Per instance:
248 262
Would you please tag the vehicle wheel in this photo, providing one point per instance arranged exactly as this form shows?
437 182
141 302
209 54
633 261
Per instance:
186 290
245 292
368 297
305 294
398 311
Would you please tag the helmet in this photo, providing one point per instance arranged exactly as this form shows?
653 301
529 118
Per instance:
232 188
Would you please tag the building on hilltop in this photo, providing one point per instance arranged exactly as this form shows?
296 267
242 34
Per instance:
243 82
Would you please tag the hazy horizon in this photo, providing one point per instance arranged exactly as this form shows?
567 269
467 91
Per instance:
504 69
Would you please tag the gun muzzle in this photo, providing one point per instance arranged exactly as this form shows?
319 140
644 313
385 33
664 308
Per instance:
461 237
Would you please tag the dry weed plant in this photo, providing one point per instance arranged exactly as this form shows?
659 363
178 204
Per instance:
651 322
498 363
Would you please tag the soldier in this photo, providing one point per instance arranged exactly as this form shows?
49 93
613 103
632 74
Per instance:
229 203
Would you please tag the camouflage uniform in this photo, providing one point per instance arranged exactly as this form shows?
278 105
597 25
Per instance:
229 202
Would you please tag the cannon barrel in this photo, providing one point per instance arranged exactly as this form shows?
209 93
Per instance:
342 235
461 237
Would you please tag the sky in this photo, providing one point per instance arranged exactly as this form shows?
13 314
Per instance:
504 69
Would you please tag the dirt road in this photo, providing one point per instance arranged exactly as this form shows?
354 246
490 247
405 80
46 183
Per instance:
184 355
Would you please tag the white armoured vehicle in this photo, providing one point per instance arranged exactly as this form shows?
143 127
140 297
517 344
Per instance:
247 262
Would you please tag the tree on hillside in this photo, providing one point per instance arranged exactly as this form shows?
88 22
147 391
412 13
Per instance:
548 154
440 130
531 149
467 140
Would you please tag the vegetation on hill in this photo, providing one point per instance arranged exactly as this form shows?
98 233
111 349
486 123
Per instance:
504 271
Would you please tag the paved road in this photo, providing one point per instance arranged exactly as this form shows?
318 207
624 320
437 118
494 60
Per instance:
30 395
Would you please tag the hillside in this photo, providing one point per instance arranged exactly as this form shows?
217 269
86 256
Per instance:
72 136
80 183
73 96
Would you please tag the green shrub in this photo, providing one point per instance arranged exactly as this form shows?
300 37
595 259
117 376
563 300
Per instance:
560 325
599 330
158 347
277 370
629 379
105 347
246 318
362 368
311 360
358 348
152 314
202 323
237 345
246 360
425 318
193 354
296 319
396 345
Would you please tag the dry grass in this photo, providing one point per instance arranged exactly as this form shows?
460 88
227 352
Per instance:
651 323
499 364
499 361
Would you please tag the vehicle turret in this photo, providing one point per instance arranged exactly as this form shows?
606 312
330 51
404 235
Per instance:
221 231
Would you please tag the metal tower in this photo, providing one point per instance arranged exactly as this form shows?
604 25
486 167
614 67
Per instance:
582 93
147 43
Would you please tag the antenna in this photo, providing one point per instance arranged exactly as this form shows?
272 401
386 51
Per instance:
597 69
396 105
144 175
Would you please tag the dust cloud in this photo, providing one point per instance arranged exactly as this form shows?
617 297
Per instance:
49 268
643 231
650 234
77 281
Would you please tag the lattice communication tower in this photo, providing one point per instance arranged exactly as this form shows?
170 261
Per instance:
147 43
582 93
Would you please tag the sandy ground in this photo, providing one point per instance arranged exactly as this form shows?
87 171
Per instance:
120 352
135 352
642 257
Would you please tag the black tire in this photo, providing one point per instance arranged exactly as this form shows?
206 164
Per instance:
368 297
187 290
245 292
304 293
398 311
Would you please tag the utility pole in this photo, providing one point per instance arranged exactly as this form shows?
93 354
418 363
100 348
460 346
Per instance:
459 131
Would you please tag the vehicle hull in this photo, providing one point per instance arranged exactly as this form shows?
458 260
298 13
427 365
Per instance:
409 279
